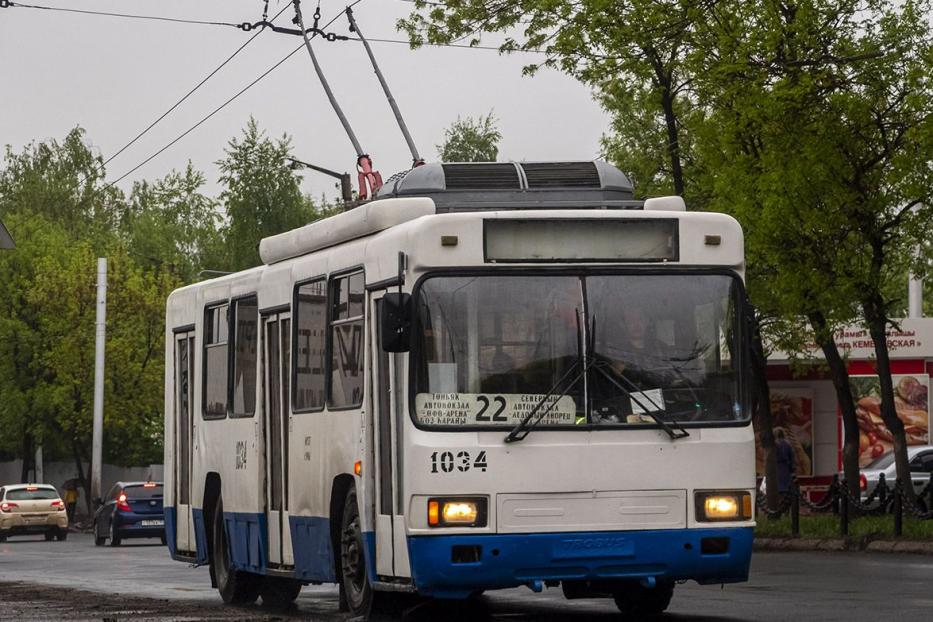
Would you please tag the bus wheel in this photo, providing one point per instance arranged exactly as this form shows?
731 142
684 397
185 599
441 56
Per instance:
639 602
278 594
353 577
235 587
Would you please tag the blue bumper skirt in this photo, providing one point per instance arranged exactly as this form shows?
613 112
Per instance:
455 566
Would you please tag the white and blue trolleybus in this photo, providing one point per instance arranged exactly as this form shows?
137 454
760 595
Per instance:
489 376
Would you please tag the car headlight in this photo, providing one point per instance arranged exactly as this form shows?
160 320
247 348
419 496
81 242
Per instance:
457 512
714 506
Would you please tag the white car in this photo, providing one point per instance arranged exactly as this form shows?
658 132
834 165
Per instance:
920 458
32 508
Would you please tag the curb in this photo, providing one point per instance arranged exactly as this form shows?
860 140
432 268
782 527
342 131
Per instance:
840 544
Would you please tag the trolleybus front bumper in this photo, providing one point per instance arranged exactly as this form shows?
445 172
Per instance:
455 566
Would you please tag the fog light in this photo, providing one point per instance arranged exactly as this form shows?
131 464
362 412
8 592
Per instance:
723 506
457 512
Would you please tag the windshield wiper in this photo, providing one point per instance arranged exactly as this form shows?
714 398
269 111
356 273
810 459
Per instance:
521 430
680 432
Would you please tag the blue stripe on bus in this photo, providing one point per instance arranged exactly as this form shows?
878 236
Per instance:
369 541
200 535
314 555
170 532
520 559
248 536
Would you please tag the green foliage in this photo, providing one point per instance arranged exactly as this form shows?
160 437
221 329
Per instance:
261 195
171 224
54 200
633 54
52 195
471 140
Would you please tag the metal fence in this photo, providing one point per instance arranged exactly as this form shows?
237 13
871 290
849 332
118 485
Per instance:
841 501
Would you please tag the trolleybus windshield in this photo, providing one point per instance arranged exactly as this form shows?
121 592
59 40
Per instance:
489 349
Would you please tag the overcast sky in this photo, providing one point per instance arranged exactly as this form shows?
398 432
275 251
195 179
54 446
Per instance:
114 76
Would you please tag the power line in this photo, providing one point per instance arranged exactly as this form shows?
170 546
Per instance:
223 105
5 4
189 93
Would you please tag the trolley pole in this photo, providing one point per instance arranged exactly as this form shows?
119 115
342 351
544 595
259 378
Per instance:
101 332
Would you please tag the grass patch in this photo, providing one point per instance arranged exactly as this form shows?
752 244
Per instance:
827 526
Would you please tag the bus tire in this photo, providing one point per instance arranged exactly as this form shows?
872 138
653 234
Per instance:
638 602
235 586
278 593
353 578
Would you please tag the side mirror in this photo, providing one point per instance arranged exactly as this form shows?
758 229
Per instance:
395 322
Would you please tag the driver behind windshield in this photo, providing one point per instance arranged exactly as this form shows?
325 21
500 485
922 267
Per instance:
627 351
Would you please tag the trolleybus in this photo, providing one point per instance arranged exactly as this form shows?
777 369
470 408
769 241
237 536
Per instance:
489 376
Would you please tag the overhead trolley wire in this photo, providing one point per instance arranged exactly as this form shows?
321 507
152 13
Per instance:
6 3
189 93
226 103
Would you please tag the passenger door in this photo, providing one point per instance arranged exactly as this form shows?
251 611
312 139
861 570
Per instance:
184 433
276 357
389 524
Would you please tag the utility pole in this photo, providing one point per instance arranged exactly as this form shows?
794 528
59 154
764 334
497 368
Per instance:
40 471
101 333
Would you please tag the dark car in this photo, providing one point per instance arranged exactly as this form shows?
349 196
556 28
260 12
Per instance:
131 510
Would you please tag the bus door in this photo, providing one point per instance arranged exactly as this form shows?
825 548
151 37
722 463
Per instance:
389 524
276 342
184 433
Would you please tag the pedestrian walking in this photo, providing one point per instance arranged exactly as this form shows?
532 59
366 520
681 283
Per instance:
71 499
785 461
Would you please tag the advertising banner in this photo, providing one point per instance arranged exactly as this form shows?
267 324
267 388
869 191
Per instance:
792 412
911 398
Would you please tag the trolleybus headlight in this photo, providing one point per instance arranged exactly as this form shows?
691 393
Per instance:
723 506
457 512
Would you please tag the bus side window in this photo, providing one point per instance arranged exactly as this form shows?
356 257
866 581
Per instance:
347 295
310 345
246 318
215 362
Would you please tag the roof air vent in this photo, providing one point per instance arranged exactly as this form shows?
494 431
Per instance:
483 176
561 174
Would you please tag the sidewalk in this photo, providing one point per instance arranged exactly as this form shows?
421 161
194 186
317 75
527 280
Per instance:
840 544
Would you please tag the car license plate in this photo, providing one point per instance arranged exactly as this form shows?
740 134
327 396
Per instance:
153 523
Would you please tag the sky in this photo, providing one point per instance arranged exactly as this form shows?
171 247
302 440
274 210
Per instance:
114 76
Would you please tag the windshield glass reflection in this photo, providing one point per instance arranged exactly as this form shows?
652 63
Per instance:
490 348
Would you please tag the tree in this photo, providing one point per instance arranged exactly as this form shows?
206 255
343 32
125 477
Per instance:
261 195
471 140
829 197
701 95
633 51
170 223
52 195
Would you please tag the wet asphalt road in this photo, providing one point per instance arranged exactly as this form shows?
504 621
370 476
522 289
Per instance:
139 581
